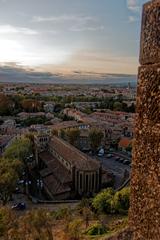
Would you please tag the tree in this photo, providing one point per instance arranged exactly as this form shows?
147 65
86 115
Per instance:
7 218
96 229
95 136
33 225
31 105
72 135
87 214
121 200
55 132
6 105
20 149
36 225
74 230
117 106
9 175
103 201
65 215
62 133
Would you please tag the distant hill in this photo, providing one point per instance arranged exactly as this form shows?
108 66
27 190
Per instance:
21 75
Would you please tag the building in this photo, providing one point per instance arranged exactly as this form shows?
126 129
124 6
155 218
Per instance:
49 107
8 127
124 144
65 171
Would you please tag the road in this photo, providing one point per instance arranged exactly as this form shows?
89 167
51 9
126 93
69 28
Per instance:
30 205
115 167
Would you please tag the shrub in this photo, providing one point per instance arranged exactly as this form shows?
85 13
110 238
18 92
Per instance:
62 214
74 229
96 229
103 201
121 200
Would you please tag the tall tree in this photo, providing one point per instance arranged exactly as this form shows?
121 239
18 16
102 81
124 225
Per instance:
20 149
33 225
36 225
72 135
6 105
31 105
7 221
9 175
95 136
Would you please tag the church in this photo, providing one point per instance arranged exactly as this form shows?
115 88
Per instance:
65 171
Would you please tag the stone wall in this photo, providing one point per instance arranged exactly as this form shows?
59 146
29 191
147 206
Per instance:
144 217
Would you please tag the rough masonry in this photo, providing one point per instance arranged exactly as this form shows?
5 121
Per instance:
144 216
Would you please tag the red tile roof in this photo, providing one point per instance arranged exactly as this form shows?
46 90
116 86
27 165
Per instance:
55 176
125 142
54 167
75 157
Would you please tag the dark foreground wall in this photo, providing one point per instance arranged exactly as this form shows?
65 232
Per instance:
144 214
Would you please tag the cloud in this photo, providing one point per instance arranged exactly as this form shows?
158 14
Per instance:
78 23
63 18
86 28
9 29
133 5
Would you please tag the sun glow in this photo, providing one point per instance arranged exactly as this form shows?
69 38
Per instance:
15 51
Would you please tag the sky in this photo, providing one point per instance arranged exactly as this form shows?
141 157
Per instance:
98 36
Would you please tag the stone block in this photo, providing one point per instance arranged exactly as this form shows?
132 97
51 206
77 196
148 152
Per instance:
145 179
150 33
148 93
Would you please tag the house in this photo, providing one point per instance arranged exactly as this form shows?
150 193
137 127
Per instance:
124 144
8 127
49 107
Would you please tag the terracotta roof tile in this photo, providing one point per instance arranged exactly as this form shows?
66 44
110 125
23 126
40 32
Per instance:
75 157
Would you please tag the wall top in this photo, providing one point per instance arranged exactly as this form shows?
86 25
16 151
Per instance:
150 33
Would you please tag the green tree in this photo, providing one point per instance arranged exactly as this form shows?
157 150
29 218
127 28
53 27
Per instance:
55 132
103 201
6 105
95 136
72 135
9 175
62 133
20 149
96 229
121 200
117 106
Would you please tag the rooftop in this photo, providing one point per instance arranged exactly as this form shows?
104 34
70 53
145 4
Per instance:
75 157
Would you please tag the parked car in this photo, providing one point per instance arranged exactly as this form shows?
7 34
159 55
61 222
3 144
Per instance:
101 152
126 162
17 190
117 158
109 155
121 160
20 182
19 206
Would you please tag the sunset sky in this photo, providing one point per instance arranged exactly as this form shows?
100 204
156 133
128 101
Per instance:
71 35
